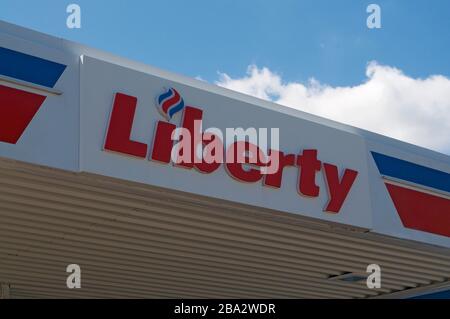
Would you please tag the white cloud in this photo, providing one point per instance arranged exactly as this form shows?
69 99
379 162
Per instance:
388 102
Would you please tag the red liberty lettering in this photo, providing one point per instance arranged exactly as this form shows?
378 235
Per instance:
162 145
338 189
120 125
274 180
250 155
309 165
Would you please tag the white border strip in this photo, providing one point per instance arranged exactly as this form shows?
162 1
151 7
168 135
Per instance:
28 86
416 187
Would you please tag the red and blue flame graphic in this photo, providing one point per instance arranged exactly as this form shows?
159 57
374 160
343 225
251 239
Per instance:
170 102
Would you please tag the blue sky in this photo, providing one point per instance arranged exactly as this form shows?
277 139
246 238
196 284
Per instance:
271 49
298 39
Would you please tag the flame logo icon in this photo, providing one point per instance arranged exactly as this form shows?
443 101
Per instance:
169 103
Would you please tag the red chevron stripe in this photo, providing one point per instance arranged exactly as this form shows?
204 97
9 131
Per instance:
421 211
17 109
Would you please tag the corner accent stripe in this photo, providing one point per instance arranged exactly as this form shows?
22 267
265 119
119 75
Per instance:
29 68
414 173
